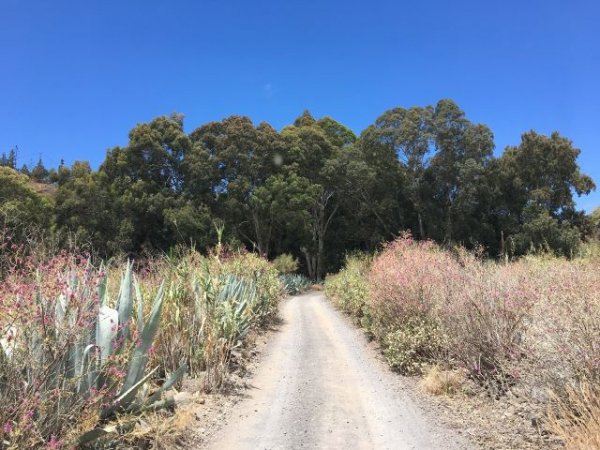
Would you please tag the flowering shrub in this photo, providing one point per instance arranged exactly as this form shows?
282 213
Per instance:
407 284
408 280
485 315
531 325
565 335
39 404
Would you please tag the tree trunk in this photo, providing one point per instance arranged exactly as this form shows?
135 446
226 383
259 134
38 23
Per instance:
310 263
421 230
320 260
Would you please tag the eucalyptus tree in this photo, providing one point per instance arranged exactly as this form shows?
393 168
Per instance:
84 210
399 147
230 160
463 152
314 152
145 180
536 183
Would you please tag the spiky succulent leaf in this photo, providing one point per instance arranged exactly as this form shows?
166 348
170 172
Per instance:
139 304
174 378
125 304
127 396
106 330
140 355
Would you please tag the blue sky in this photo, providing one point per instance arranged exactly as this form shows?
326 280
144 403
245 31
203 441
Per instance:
76 76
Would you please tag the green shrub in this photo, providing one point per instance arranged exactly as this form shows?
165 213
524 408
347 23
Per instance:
285 263
410 348
349 289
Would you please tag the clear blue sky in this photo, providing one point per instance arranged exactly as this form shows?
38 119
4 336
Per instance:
76 76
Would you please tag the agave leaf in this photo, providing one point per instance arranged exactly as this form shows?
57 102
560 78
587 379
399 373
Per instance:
139 304
126 397
174 378
89 371
125 304
161 404
106 330
103 286
73 360
241 307
140 355
60 310
96 433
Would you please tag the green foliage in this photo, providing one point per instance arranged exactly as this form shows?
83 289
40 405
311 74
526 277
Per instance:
411 348
24 216
349 289
543 233
211 303
295 284
318 191
594 221
286 263
20 204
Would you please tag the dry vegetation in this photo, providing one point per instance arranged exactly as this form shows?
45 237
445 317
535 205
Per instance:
527 331
95 355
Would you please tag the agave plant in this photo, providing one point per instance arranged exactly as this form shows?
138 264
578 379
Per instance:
295 284
236 302
226 308
113 325
88 354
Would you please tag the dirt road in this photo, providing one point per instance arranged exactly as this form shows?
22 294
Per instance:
320 386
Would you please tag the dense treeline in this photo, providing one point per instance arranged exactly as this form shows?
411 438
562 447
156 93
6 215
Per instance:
315 189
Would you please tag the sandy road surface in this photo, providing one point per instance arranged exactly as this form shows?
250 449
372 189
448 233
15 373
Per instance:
320 386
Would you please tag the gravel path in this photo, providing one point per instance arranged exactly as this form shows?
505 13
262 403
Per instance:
321 386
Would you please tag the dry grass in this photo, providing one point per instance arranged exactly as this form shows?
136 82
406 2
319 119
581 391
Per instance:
168 432
438 381
576 420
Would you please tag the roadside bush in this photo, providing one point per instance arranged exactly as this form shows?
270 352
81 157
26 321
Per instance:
73 356
407 284
285 263
531 326
253 268
408 280
349 289
412 346
485 316
212 302
565 332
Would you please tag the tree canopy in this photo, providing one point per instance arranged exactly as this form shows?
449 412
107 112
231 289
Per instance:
313 189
